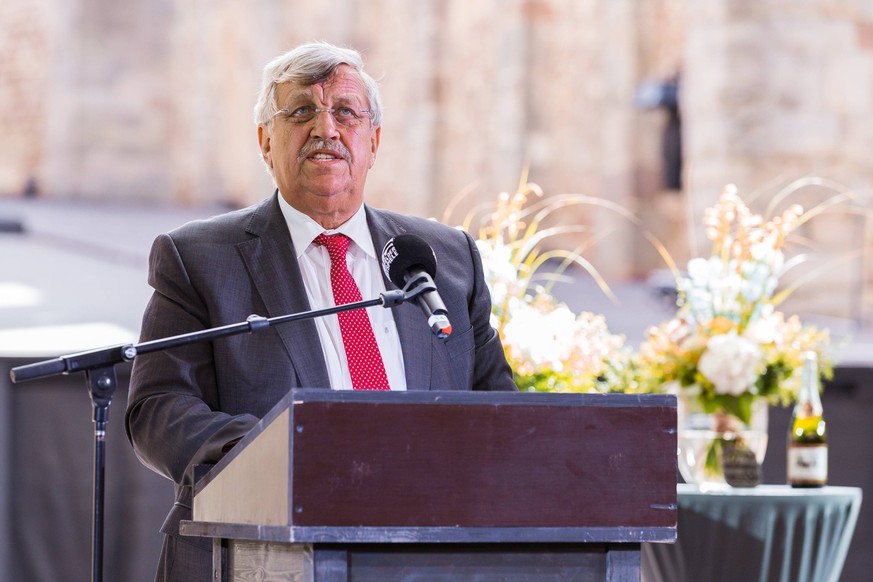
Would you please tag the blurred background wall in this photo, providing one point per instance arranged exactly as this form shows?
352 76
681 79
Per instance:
652 104
150 100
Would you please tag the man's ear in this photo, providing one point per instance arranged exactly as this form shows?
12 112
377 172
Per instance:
374 144
264 142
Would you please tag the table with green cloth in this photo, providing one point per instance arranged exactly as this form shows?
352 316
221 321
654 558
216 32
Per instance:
768 533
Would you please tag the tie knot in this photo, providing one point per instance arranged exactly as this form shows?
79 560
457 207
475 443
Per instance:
336 244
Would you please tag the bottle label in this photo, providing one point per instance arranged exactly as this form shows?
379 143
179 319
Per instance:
807 464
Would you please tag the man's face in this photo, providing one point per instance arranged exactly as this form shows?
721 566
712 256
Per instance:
320 162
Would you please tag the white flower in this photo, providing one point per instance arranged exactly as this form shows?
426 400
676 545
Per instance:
766 329
500 274
760 282
732 363
698 271
765 252
699 303
542 339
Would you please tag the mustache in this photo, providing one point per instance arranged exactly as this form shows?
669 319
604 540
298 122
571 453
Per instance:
324 144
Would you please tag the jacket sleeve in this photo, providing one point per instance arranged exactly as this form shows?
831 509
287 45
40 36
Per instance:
491 370
172 418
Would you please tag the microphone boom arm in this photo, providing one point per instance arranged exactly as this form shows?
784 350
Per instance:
103 357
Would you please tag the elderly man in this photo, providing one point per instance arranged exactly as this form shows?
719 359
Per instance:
311 245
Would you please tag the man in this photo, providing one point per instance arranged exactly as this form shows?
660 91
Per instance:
319 127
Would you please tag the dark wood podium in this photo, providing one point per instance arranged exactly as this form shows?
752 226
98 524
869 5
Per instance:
443 486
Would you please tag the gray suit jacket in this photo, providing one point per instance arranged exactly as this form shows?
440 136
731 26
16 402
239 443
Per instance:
187 403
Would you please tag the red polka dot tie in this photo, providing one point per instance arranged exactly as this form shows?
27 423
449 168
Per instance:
365 362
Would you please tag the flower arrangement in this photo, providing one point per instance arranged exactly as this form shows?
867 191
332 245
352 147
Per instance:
549 347
728 346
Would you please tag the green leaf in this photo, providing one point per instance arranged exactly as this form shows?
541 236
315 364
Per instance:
739 406
712 463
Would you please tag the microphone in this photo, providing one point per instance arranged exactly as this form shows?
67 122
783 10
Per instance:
407 259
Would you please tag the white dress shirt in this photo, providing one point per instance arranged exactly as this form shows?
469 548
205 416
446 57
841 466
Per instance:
365 269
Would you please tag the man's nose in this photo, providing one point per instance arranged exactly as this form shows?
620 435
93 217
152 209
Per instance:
324 125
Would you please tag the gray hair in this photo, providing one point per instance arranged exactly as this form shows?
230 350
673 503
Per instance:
309 64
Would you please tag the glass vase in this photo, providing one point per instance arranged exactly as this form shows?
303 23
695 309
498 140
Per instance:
718 450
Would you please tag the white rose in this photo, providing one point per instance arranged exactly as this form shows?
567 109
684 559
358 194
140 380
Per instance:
732 363
766 329
699 271
543 340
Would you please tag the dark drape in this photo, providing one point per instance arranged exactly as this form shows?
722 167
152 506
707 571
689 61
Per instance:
48 441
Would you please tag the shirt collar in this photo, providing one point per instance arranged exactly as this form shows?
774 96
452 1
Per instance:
304 230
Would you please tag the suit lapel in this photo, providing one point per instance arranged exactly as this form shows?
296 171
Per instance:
415 344
272 266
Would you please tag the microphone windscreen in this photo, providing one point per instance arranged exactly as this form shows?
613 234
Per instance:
405 252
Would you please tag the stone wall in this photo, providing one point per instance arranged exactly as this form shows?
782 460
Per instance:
151 100
28 43
775 91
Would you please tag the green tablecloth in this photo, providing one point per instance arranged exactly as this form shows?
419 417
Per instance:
769 533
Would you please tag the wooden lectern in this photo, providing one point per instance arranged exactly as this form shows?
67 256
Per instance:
443 486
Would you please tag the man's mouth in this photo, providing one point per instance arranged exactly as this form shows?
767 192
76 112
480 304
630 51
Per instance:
324 151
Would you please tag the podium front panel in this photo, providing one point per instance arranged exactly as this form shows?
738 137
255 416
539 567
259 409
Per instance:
483 460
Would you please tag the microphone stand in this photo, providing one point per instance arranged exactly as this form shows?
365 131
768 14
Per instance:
99 368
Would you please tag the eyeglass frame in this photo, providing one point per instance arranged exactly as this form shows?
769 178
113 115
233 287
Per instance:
316 110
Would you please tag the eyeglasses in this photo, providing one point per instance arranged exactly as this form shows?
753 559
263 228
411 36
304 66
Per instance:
342 115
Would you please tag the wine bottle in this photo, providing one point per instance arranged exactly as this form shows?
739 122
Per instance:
807 463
